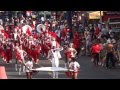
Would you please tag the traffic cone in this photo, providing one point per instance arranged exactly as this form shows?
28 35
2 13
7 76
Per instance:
2 73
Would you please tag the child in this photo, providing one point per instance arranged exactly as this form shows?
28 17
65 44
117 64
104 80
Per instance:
73 68
29 66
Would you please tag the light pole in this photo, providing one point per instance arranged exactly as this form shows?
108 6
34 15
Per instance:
100 17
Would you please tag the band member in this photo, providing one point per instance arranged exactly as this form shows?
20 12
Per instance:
4 51
54 58
74 66
53 42
42 45
16 49
22 53
17 55
47 45
37 51
35 54
9 50
8 31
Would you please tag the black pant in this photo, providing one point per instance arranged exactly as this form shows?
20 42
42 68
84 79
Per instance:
96 58
109 58
66 59
78 51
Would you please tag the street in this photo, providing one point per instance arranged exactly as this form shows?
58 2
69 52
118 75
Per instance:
87 71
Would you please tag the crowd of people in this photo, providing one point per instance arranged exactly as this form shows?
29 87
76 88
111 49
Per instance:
22 38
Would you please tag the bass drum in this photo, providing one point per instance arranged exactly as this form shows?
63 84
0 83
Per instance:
40 28
25 28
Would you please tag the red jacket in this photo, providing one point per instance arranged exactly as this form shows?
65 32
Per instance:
76 42
96 48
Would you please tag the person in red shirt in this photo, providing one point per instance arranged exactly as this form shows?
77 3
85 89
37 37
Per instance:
9 51
35 35
35 53
3 54
7 31
16 51
63 33
97 31
76 43
95 50
47 47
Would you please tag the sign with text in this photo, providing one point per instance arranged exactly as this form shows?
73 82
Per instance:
95 15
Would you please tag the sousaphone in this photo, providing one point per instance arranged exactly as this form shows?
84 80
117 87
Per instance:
40 28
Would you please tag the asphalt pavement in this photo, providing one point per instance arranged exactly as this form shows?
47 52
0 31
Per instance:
87 70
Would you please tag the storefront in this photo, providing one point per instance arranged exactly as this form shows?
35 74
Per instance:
94 16
110 14
112 19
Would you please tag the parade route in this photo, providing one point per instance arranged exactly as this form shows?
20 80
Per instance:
87 71
46 42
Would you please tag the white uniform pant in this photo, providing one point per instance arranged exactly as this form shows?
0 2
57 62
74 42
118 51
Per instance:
55 63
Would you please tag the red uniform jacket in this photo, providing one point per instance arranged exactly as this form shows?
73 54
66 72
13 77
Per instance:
76 42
